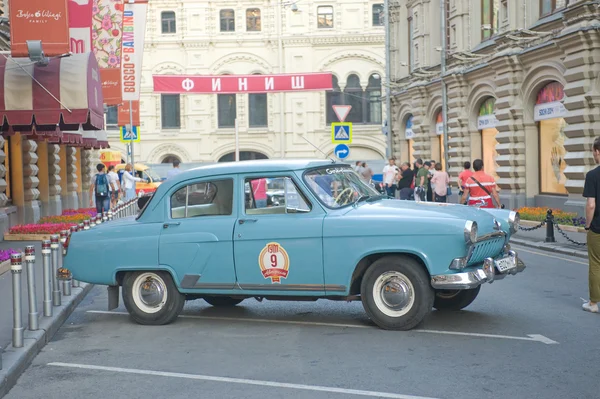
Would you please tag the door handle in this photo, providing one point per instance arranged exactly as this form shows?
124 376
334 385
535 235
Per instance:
166 225
242 221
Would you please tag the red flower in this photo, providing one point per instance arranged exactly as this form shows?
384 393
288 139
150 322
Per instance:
119 7
115 32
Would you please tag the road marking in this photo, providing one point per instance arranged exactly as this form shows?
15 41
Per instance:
243 381
548 256
530 337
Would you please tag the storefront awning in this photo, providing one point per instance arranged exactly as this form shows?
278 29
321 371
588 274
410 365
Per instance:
102 137
66 94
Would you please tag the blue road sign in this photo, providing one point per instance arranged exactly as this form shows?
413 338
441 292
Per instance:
341 151
126 136
341 132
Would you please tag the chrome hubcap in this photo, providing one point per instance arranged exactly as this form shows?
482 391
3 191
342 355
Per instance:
152 292
394 294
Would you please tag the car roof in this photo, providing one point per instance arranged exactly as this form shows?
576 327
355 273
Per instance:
256 166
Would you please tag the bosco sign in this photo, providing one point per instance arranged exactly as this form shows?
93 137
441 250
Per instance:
274 262
134 30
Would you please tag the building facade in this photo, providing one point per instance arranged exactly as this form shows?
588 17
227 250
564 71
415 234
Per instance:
523 90
260 37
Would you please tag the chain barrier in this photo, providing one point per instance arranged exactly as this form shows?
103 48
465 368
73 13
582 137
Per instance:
567 237
533 228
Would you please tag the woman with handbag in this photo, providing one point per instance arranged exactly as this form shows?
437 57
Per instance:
440 183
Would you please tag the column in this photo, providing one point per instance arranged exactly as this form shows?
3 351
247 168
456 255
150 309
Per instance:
43 176
4 221
31 205
54 180
62 162
72 200
78 175
86 177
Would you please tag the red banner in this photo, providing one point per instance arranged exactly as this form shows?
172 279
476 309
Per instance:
80 26
226 84
123 114
45 20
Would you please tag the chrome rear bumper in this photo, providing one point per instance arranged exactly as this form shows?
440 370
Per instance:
488 273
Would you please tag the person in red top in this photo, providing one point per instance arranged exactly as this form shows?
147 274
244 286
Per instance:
475 193
259 191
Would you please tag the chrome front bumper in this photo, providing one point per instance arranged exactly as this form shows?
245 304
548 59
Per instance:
488 273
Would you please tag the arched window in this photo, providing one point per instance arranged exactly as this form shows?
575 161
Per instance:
253 20
168 22
170 159
374 99
353 95
227 19
409 134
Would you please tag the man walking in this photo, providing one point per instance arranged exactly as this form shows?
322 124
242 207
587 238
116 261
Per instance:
591 191
390 174
480 188
407 178
175 171
99 190
422 182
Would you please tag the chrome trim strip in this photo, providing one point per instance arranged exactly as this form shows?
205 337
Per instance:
489 236
213 286
293 287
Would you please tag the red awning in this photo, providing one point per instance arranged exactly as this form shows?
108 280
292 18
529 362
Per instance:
66 94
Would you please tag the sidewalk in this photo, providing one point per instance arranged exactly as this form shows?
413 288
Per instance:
15 360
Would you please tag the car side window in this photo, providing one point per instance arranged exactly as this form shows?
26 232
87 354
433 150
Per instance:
273 195
212 198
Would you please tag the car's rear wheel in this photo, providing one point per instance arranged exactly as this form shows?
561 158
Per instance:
396 293
151 298
222 301
454 299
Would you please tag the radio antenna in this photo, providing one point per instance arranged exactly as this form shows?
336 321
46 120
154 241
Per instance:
318 149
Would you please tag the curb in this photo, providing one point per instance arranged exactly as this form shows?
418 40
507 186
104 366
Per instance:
16 360
550 248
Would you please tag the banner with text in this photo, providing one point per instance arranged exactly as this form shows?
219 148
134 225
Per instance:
45 20
107 34
80 26
181 84
123 113
134 32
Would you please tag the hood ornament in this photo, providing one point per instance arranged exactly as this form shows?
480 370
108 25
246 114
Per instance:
497 225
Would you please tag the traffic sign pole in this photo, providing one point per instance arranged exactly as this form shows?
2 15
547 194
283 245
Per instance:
131 127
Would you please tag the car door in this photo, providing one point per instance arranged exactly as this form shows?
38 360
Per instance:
278 242
196 238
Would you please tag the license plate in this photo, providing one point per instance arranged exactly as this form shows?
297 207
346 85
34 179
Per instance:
505 264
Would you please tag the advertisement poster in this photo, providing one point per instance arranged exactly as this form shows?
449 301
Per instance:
46 20
80 26
123 113
134 32
107 33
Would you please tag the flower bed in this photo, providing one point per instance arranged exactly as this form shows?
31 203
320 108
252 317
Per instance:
560 217
36 232
72 219
91 212
5 254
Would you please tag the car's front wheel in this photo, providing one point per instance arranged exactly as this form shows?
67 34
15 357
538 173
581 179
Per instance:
396 293
151 298
222 301
454 299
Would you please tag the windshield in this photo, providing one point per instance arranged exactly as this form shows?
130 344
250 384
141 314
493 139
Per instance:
337 187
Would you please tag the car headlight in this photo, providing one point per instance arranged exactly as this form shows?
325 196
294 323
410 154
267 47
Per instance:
513 220
470 232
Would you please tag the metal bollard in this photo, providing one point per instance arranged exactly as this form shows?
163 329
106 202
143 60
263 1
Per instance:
16 268
99 219
110 215
55 246
550 226
104 217
80 226
61 275
33 311
86 224
46 253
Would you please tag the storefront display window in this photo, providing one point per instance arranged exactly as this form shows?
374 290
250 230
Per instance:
439 130
409 135
549 113
486 123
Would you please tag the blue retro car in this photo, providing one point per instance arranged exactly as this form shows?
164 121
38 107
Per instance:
210 233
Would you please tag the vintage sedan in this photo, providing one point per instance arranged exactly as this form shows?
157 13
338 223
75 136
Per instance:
334 237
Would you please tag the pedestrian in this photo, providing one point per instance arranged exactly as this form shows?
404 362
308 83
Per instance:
175 170
390 176
440 182
114 185
259 192
591 191
366 173
480 188
99 190
406 182
356 166
462 179
429 184
421 183
129 182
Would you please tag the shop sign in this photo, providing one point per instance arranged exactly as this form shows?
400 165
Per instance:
45 20
80 25
107 26
549 111
134 32
408 133
487 122
123 113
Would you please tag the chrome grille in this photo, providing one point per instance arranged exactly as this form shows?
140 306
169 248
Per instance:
485 249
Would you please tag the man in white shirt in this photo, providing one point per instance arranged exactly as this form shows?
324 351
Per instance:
175 171
113 185
390 177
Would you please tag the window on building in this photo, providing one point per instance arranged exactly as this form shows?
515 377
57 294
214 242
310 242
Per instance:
366 104
227 20
257 103
448 28
504 11
378 15
489 18
325 17
112 117
411 45
213 198
227 110
170 111
168 22
253 20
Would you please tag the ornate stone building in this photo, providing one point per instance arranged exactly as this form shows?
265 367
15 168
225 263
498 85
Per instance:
523 91
243 37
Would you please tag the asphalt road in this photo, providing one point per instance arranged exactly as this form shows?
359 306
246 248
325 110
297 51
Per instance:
524 337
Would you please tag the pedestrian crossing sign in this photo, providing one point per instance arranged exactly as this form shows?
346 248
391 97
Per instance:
130 136
341 132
